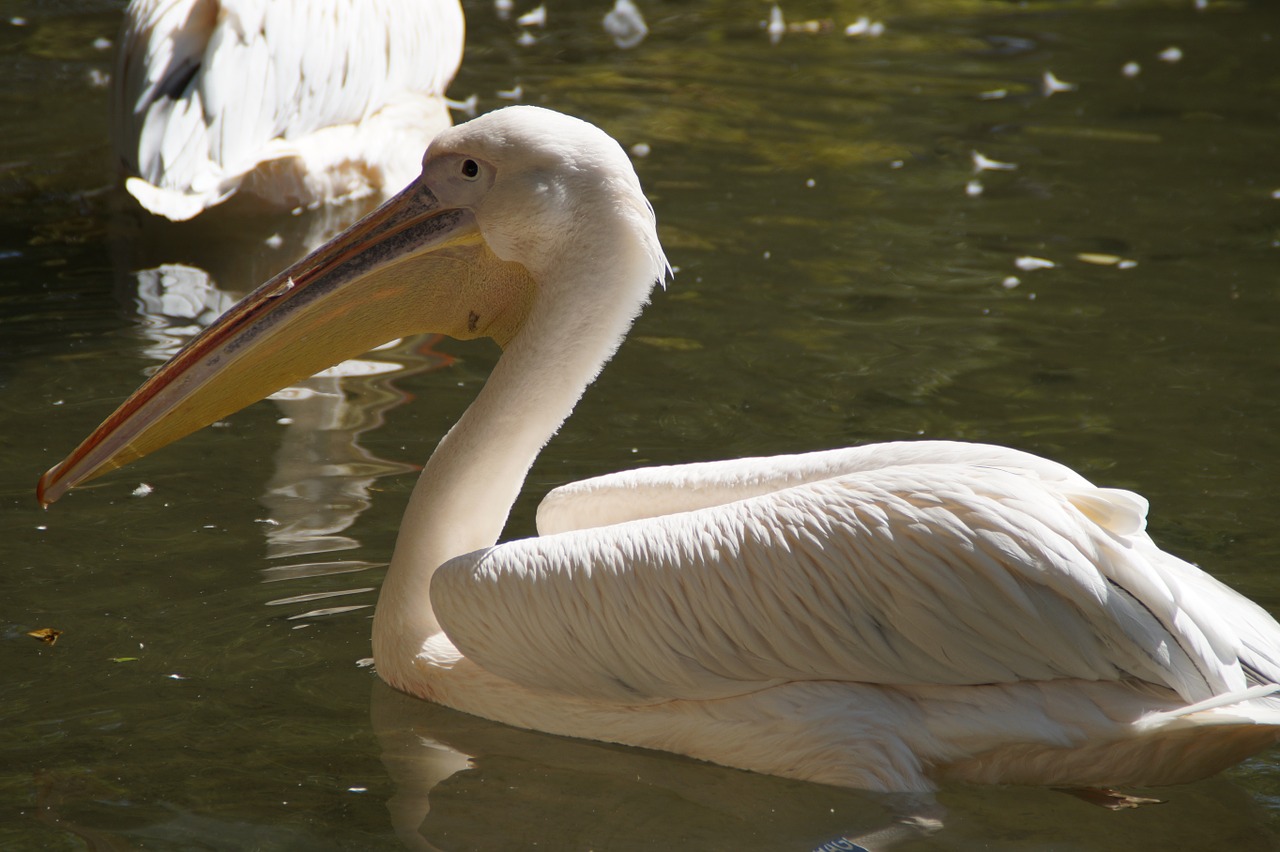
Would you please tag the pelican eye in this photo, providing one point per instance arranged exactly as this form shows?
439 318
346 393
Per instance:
470 169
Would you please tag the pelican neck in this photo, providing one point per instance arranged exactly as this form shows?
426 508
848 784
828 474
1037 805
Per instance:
467 488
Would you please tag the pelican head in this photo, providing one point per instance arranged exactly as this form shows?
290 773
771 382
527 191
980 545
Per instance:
510 211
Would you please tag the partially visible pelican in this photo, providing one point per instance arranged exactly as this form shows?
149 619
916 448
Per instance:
297 102
879 617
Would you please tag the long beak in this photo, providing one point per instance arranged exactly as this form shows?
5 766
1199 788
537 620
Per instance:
410 266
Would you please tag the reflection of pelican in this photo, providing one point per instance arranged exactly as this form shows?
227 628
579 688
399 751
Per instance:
297 103
452 772
877 617
322 474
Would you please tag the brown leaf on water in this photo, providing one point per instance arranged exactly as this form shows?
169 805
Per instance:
47 635
673 344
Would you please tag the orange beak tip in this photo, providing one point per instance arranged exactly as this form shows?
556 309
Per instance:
47 490
41 492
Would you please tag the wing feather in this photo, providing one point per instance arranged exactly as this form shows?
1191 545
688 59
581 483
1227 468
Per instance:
663 490
950 573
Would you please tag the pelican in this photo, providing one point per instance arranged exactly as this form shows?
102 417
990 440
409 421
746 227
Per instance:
882 617
295 103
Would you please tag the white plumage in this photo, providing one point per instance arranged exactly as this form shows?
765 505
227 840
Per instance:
1034 589
879 617
296 103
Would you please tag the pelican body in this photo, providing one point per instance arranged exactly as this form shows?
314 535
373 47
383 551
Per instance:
294 102
879 617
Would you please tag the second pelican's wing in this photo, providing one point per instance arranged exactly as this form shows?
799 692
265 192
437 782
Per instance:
206 91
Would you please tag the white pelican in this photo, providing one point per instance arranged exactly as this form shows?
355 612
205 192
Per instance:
880 617
297 103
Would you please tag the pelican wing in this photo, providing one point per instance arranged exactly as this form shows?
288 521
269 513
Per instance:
911 574
207 90
653 491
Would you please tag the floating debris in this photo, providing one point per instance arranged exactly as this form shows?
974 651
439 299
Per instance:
143 490
503 8
974 188
284 421
467 107
511 94
98 78
983 163
47 635
1170 55
526 38
670 344
1010 282
625 25
640 149
1131 69
864 26
777 26
536 18
1099 259
1275 193
993 94
813 26
1028 263
1051 85
101 43
17 22
274 241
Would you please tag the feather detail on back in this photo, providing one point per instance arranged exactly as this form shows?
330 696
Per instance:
653 491
945 573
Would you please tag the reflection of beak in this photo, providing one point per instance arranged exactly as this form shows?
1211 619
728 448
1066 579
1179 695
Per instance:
413 265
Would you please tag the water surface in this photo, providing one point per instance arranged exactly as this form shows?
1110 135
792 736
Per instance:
840 279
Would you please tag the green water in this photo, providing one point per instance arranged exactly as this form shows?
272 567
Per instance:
836 284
